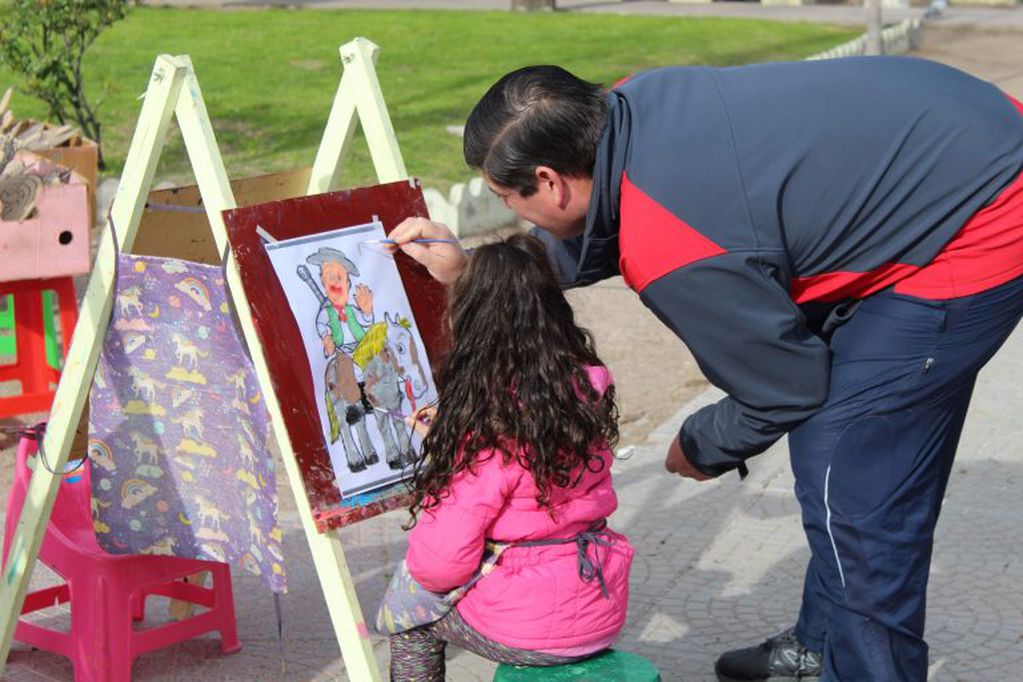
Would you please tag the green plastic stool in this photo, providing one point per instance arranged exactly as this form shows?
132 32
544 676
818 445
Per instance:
9 340
612 666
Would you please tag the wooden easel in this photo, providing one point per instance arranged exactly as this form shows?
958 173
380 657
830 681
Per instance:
174 92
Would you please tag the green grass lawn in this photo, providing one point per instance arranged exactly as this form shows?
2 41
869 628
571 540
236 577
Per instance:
269 76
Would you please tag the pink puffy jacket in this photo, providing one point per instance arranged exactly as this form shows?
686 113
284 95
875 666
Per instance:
534 599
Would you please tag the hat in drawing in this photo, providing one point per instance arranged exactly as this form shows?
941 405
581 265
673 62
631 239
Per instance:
328 255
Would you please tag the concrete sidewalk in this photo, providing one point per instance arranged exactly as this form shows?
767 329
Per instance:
717 564
845 14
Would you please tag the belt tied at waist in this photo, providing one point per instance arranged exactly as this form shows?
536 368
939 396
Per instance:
589 570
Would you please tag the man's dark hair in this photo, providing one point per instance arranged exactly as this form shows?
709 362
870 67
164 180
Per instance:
535 116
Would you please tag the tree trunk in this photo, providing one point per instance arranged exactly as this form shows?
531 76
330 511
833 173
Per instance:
533 5
873 46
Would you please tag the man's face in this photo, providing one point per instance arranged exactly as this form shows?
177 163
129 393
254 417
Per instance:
335 281
545 207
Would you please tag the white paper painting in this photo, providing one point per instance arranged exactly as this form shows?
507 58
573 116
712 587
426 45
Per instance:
368 361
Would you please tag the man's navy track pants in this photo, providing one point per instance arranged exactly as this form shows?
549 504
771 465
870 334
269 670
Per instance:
871 469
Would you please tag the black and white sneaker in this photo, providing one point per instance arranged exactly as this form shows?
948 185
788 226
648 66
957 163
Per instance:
781 657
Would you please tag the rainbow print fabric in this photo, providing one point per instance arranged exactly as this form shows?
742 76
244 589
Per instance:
178 427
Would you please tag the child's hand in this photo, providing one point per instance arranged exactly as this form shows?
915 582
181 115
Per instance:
444 261
422 420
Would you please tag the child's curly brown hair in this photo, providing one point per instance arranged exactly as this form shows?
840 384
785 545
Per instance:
515 380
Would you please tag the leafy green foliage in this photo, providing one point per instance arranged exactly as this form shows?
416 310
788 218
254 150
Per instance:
45 41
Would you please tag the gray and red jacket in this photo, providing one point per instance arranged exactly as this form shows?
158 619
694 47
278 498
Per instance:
736 200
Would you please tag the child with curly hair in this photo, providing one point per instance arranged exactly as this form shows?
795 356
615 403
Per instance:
511 497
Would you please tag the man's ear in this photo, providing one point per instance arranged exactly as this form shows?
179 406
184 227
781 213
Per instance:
550 180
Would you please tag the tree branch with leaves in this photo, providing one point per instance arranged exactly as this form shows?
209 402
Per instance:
45 42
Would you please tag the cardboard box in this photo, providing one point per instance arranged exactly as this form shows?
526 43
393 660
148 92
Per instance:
81 155
188 236
54 242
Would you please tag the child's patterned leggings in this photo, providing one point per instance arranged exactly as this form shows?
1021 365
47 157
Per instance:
417 655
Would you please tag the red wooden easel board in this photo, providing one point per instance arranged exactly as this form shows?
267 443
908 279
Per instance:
282 342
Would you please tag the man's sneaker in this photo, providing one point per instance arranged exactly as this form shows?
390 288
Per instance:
780 658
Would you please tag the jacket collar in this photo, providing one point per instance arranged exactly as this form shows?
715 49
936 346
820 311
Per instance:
598 256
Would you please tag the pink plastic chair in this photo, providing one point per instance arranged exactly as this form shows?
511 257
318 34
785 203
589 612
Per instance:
107 592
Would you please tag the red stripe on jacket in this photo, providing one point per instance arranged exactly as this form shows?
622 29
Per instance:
986 252
652 241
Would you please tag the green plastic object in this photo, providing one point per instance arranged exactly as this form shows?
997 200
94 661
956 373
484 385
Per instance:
52 347
8 347
8 338
612 666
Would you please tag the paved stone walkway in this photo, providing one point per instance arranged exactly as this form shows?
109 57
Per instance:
717 563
